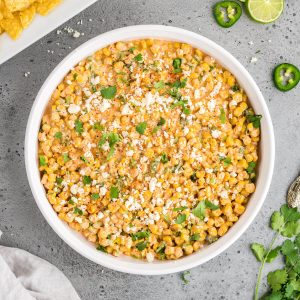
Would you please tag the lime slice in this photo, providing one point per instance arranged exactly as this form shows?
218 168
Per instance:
265 11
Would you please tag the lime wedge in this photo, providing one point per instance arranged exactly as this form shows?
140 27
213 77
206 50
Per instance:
265 11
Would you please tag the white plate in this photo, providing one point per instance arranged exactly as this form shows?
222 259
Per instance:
124 263
41 26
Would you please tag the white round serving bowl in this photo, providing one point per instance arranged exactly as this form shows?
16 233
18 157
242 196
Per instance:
124 263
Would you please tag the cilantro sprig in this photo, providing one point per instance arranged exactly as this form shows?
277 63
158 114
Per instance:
283 283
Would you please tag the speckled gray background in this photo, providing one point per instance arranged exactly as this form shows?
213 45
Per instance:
230 275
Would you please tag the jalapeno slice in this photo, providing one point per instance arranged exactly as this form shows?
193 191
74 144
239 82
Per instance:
286 77
227 13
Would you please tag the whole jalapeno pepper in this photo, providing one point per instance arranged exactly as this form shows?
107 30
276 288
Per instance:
227 13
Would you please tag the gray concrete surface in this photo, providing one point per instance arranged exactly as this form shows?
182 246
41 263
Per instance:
231 275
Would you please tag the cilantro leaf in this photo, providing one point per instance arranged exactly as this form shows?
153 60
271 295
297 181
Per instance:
226 160
254 119
140 128
273 254
290 229
199 210
98 126
66 157
58 135
138 58
195 237
114 192
101 248
289 214
141 246
222 116
78 211
84 159
180 208
140 235
276 279
159 85
180 218
277 221
161 122
43 161
177 65
95 196
210 205
251 167
59 180
87 180
164 158
78 126
109 92
258 250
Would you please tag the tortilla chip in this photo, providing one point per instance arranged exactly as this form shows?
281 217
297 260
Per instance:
5 12
27 15
43 8
12 26
13 5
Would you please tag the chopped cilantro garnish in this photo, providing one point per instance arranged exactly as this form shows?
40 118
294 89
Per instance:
177 65
225 160
254 119
101 248
167 218
180 218
183 104
71 202
78 211
84 159
59 180
161 122
138 58
140 235
66 157
179 84
58 135
211 205
131 49
78 126
180 208
114 192
222 116
251 167
112 139
141 246
140 128
199 210
161 248
195 237
87 180
164 158
75 75
109 92
95 196
98 126
43 161
235 88
159 85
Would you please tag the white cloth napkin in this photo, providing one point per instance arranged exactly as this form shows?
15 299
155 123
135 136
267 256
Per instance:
24 276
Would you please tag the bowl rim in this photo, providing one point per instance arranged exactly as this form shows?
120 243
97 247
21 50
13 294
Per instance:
130 265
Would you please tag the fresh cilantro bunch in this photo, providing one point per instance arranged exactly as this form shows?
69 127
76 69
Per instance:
284 283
